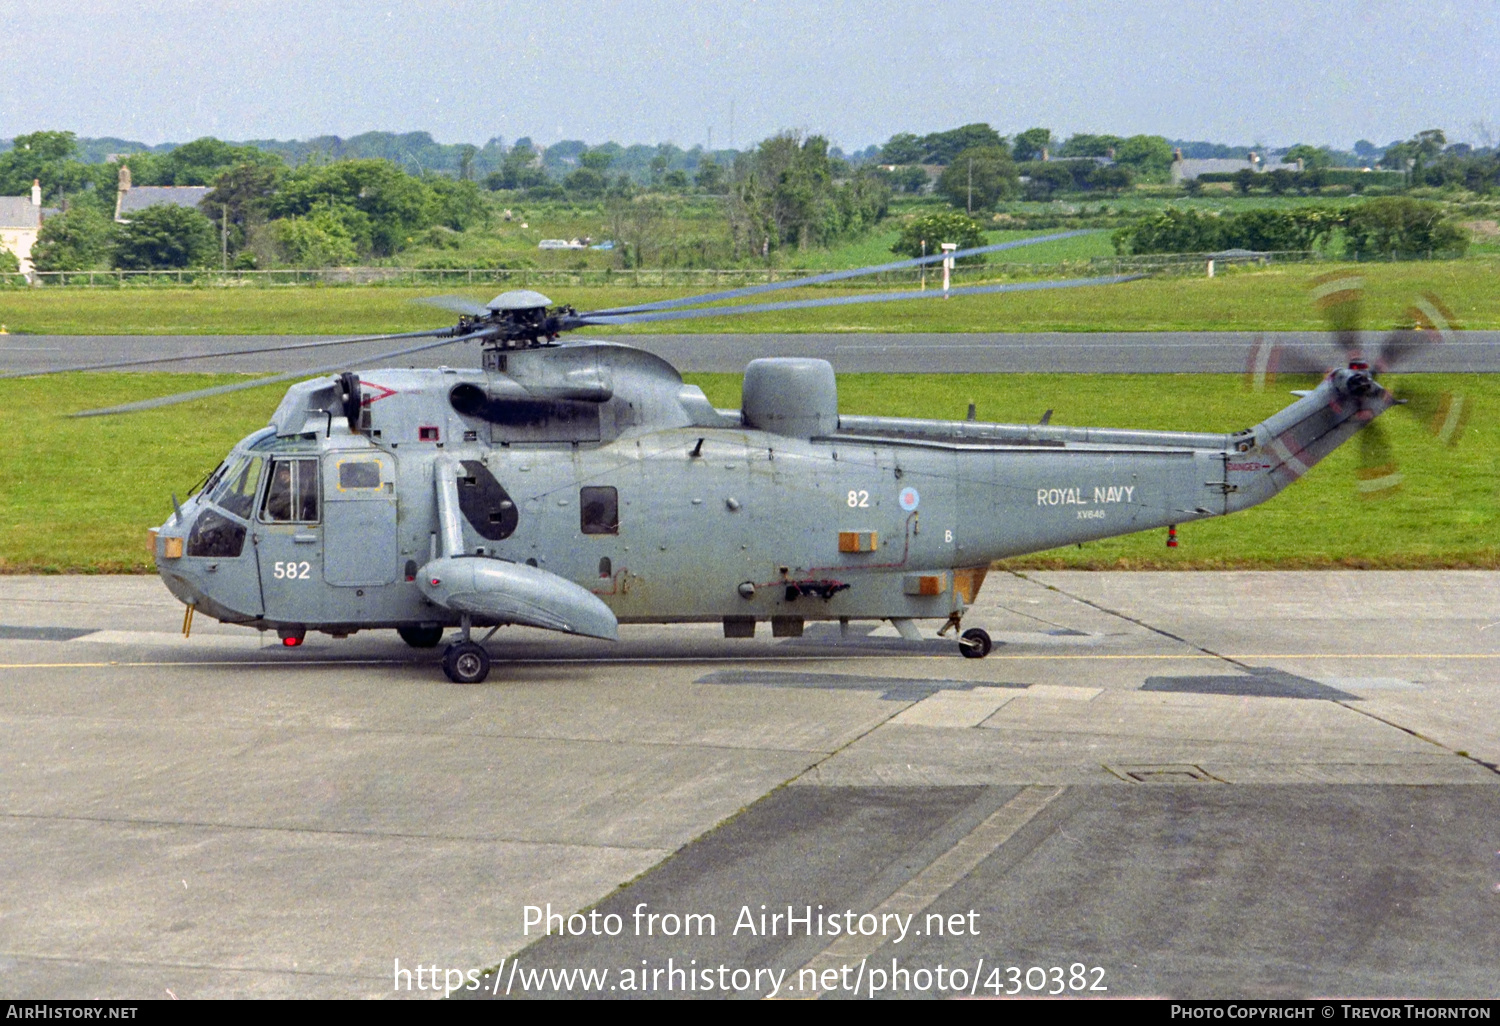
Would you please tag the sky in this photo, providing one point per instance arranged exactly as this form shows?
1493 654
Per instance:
1267 72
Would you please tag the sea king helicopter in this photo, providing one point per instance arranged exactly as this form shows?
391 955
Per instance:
578 485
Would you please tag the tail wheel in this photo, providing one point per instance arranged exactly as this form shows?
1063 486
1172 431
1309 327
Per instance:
975 643
466 662
421 637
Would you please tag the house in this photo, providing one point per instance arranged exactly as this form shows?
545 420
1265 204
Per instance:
20 221
1186 170
129 199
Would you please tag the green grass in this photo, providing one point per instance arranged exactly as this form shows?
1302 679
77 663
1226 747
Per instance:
1081 247
501 243
1271 299
875 248
78 495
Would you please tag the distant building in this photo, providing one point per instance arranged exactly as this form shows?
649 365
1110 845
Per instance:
132 199
20 221
1188 169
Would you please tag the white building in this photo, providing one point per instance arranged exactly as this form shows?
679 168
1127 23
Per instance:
20 221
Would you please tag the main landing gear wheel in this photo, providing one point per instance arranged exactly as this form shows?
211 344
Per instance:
421 637
975 643
466 662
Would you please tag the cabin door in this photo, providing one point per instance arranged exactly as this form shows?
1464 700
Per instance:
360 545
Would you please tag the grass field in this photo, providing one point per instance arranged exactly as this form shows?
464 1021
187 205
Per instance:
875 248
1270 299
78 495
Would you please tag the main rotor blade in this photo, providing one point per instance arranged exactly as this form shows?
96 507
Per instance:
819 279
117 364
458 304
883 297
239 386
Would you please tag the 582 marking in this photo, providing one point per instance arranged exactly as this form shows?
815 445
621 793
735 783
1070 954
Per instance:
292 571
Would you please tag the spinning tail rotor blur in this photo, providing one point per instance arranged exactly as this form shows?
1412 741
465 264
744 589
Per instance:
1425 324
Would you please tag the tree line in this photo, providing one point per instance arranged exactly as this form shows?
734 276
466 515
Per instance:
259 211
789 191
329 203
1387 226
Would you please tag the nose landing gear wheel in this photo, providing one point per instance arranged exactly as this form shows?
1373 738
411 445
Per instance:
975 643
466 662
421 637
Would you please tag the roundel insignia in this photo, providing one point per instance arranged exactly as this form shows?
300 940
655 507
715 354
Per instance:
909 499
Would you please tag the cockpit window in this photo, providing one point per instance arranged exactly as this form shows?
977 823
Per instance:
235 489
292 496
214 534
263 439
212 480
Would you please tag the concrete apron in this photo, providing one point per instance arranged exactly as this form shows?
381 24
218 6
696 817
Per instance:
218 816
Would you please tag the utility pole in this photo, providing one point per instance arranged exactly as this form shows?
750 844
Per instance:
971 189
224 234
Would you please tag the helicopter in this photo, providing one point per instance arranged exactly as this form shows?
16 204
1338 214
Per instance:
575 486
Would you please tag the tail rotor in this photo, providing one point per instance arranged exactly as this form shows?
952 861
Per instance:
1427 323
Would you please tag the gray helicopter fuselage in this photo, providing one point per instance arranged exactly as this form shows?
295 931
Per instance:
595 463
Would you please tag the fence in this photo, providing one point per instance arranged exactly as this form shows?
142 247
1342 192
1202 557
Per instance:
666 278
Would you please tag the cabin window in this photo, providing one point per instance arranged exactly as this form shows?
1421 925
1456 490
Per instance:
235 490
599 510
606 568
360 474
292 496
